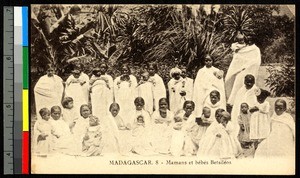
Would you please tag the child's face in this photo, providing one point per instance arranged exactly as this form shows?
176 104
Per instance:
85 112
70 105
279 108
214 98
206 112
249 83
163 105
56 114
218 115
240 40
244 108
208 62
93 122
46 117
114 111
223 121
151 70
260 99
140 119
178 119
188 109
139 106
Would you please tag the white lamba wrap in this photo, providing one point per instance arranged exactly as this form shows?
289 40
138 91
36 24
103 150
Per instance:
159 89
101 96
246 61
205 82
281 140
145 91
48 92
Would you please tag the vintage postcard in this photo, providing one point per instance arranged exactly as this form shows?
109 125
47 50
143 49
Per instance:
162 89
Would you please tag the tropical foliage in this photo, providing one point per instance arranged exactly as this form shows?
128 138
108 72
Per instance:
168 34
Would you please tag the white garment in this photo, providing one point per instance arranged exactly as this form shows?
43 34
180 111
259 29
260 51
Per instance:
205 82
247 58
69 115
79 131
213 107
42 146
101 96
62 138
159 89
175 99
48 92
211 146
110 135
145 91
135 114
77 91
162 131
124 95
242 96
281 141
260 122
188 86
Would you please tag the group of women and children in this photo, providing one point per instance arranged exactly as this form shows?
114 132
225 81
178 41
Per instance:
97 115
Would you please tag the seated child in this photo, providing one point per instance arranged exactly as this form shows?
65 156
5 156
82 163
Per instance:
42 133
124 136
260 119
203 123
162 120
141 144
69 112
92 144
218 141
178 134
244 122
62 138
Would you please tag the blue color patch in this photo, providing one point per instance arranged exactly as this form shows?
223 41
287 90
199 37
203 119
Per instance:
25 25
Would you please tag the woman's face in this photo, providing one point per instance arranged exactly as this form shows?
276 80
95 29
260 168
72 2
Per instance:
208 62
151 70
50 72
125 71
163 105
103 69
85 112
114 111
279 108
214 98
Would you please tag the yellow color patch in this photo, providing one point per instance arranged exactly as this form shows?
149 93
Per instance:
25 110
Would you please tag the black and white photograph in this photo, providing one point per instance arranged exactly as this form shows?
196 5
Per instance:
162 89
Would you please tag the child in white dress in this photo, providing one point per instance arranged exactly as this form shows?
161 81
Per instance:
260 119
42 134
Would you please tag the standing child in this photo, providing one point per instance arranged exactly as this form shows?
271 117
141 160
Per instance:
42 133
92 144
260 120
244 122
175 90
162 120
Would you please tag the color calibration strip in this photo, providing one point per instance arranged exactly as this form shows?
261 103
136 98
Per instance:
15 90
25 135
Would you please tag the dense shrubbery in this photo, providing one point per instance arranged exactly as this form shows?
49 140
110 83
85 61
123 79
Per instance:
169 35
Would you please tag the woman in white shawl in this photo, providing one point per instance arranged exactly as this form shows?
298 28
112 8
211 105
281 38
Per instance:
124 90
48 91
281 141
208 78
101 87
159 89
76 89
246 61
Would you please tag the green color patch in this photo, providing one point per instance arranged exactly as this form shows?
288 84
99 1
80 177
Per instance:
25 67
